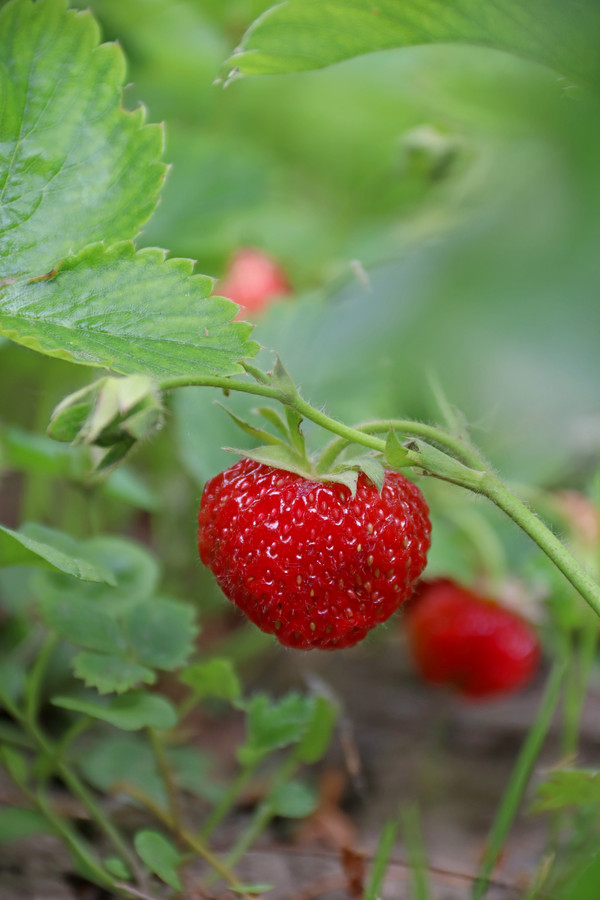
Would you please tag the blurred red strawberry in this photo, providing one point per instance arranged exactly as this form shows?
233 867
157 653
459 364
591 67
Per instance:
254 280
467 641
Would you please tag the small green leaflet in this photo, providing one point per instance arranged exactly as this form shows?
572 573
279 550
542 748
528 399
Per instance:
43 547
110 673
272 725
308 34
130 712
214 678
568 787
294 800
160 856
78 177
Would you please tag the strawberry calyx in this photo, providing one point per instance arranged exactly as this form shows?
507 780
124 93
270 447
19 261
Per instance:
283 445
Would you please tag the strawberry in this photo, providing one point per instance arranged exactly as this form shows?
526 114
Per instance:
307 561
253 279
462 639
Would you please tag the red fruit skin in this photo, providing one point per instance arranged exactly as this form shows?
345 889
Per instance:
467 641
254 280
308 562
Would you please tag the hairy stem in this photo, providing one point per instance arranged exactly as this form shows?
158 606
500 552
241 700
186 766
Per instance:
227 800
458 448
167 776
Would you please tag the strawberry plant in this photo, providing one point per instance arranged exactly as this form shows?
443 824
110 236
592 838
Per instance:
118 657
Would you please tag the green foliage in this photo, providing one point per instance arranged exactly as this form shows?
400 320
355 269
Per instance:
308 34
115 761
294 800
133 312
129 637
272 725
568 788
16 823
472 174
214 678
92 169
62 292
41 547
160 856
129 712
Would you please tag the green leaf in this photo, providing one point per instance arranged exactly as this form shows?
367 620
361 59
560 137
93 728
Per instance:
18 823
192 771
214 678
42 547
568 787
160 856
128 486
160 632
309 34
294 800
135 569
132 312
110 673
317 737
117 868
272 725
12 678
381 860
129 759
130 712
76 167
122 759
82 623
15 764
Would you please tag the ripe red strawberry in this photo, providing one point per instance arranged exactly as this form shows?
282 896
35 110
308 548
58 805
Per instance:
470 642
304 559
253 279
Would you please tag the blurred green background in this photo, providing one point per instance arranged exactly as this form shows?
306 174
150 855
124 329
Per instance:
464 180
436 210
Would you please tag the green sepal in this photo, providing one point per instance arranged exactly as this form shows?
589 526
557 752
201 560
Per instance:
368 465
278 377
347 477
279 457
274 419
259 433
395 453
294 423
